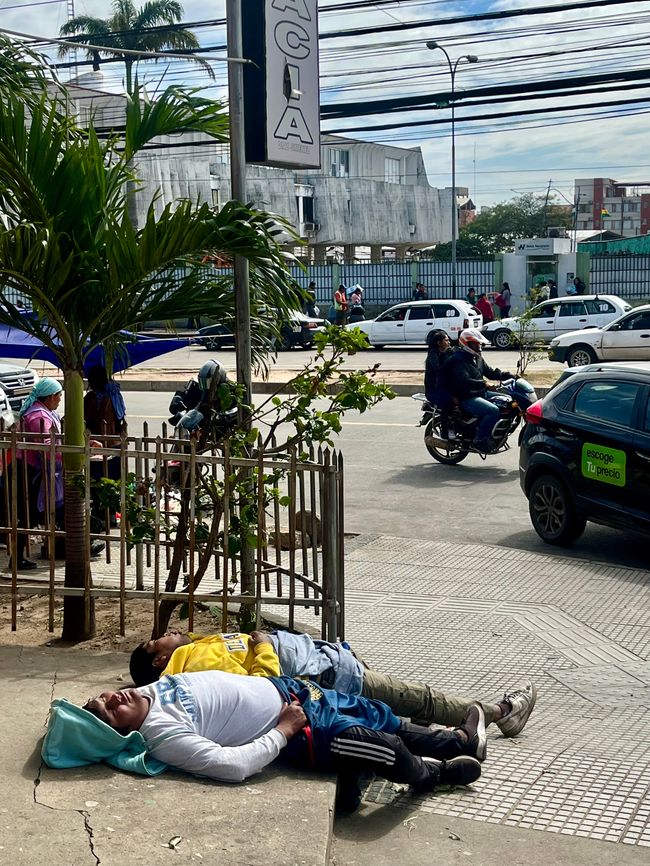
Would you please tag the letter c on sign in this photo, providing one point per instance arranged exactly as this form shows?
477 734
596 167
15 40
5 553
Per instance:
292 39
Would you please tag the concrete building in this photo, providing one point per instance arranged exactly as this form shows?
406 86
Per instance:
619 206
367 200
365 195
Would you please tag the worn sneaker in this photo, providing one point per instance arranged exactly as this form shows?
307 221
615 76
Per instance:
462 770
522 702
474 726
96 547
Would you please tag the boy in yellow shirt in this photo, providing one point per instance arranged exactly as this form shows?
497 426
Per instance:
235 653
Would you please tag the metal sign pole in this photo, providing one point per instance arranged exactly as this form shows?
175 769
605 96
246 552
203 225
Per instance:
238 192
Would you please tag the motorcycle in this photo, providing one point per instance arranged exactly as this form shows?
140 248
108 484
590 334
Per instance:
448 434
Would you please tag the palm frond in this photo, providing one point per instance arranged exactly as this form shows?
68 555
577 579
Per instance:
175 111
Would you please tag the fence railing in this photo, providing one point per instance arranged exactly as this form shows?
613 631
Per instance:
624 274
188 510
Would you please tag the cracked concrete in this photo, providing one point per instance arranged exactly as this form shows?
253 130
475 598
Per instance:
96 815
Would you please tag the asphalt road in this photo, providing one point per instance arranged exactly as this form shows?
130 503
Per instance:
393 487
411 358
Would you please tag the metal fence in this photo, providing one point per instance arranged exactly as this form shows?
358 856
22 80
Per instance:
392 281
179 493
624 274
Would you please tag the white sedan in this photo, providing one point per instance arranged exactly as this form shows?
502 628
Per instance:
625 339
410 323
558 316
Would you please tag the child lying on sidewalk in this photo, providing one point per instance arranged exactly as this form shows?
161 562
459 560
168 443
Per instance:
331 665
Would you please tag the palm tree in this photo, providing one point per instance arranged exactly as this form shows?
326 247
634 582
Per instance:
135 30
70 248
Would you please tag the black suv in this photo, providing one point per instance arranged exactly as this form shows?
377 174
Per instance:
585 452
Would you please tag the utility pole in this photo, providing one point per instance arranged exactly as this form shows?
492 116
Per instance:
548 193
574 239
238 192
240 269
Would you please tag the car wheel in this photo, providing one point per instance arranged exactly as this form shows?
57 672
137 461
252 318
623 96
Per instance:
378 346
451 455
552 512
212 345
502 339
580 356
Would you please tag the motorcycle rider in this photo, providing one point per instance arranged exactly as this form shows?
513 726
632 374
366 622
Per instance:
203 404
464 374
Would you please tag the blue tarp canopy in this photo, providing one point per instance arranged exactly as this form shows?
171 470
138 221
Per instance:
16 344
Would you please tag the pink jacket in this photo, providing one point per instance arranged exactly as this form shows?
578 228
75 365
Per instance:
39 418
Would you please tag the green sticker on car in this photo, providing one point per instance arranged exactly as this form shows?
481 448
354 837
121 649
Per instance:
600 463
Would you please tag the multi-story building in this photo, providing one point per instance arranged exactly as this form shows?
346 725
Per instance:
365 195
618 206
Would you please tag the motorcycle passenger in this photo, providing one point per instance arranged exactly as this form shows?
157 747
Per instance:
439 351
464 376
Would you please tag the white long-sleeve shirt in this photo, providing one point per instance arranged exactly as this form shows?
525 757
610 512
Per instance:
213 723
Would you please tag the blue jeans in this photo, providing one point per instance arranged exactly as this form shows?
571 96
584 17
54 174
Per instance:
486 412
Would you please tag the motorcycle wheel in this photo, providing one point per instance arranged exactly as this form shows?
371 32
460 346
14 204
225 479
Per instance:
450 456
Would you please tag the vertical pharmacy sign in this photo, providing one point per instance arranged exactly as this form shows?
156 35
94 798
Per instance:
281 89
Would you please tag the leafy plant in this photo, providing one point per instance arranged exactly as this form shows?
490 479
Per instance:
525 340
69 248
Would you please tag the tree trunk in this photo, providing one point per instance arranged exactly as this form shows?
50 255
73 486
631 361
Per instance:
78 613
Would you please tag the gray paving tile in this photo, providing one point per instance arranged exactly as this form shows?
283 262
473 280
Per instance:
475 620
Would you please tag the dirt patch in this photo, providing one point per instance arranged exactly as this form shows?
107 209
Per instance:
33 613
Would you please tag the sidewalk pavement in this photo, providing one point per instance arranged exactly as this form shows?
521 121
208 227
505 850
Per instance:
469 618
95 815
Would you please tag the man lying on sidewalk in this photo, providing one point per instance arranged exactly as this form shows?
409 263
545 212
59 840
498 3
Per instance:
331 665
227 727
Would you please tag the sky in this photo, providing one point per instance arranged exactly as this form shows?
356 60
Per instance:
496 159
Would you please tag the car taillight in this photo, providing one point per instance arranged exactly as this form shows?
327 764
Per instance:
534 413
466 323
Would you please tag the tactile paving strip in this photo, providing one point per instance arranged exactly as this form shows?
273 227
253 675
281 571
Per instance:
475 620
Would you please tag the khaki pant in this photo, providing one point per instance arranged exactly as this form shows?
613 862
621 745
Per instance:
420 702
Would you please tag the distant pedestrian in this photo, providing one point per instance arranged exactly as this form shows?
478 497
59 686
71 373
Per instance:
309 307
503 301
470 297
552 290
420 292
357 312
484 307
579 286
341 305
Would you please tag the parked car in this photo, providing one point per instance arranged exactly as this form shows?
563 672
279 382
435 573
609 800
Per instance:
16 382
299 331
627 337
409 323
552 318
585 452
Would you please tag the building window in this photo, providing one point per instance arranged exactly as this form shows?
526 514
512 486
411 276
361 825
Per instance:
391 170
339 162
215 199
631 207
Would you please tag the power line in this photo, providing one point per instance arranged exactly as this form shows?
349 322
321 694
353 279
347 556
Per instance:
481 16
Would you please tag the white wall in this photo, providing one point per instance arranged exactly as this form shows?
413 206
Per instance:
515 273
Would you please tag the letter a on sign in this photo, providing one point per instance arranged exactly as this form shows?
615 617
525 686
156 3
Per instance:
299 7
293 123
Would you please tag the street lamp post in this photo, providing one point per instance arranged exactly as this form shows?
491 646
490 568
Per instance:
453 67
